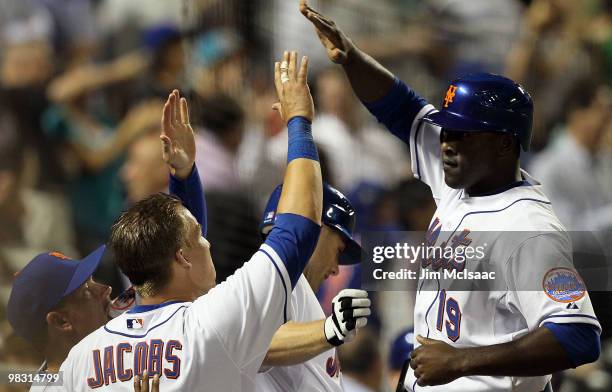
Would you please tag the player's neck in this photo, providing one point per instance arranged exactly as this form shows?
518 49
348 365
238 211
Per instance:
176 289
500 180
56 353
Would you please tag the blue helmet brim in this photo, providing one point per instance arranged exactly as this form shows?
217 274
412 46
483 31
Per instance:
455 122
452 121
352 250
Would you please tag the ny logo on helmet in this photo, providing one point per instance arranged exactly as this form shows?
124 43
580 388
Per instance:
450 94
59 255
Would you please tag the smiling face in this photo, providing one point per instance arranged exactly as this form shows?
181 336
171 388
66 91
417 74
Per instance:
472 160
326 257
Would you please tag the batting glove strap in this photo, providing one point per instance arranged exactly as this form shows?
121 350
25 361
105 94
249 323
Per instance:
330 331
350 309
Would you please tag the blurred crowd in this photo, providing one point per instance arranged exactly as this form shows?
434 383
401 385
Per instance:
81 90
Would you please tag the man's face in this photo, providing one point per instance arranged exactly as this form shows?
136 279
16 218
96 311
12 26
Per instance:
87 307
595 120
467 157
197 252
325 259
144 172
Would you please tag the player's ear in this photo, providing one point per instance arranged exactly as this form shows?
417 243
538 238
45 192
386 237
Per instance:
182 259
58 321
506 145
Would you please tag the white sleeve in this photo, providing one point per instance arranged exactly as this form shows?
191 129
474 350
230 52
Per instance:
543 284
425 152
298 300
248 308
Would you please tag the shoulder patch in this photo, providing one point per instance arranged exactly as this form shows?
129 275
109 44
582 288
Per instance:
563 285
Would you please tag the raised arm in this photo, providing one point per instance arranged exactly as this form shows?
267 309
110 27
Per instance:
248 308
392 102
369 79
303 190
298 222
179 151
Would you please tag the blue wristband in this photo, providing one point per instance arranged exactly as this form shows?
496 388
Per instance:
191 193
301 143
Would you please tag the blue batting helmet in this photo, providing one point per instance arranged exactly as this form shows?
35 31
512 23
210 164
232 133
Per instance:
486 102
338 213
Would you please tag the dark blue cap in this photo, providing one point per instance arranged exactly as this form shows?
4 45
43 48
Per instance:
486 102
338 213
401 347
42 284
156 36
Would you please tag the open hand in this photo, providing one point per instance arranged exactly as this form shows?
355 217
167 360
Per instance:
336 43
292 88
178 139
435 362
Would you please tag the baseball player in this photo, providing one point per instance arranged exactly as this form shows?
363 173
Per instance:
192 334
54 303
468 154
302 353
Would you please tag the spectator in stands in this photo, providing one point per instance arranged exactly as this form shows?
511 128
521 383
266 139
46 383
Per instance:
93 145
166 71
572 168
144 172
26 66
233 222
31 221
550 59
218 141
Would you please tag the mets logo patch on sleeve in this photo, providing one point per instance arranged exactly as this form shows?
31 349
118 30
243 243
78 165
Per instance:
563 285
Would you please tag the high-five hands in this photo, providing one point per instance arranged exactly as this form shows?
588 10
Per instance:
292 88
336 43
178 139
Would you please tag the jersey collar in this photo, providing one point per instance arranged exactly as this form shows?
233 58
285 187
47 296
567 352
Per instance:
526 180
146 308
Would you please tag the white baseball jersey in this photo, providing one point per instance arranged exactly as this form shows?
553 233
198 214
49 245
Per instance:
321 373
530 262
216 343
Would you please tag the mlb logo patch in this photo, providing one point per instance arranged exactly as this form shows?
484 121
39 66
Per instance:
135 323
269 216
